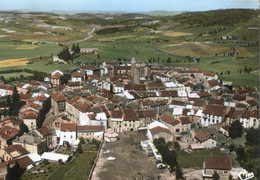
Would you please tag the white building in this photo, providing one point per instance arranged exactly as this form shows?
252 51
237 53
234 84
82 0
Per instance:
212 114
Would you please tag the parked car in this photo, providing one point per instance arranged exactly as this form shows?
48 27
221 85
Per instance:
161 166
111 158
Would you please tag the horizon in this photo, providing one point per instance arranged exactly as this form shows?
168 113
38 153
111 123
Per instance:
130 6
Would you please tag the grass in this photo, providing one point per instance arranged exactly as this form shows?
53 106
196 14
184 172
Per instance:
78 168
176 34
18 74
195 159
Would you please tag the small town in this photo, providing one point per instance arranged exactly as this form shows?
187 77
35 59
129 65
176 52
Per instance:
159 110
129 90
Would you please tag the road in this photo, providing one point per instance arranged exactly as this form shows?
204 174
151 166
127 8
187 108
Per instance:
71 42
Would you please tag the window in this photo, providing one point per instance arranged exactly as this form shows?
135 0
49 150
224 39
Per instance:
177 130
225 172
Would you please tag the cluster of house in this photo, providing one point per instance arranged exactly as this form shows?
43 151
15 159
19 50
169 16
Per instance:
180 104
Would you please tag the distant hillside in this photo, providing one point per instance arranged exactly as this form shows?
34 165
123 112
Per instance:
163 13
227 17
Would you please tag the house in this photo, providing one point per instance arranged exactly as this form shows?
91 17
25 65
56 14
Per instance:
46 134
77 77
206 140
224 130
156 130
219 164
6 90
56 78
124 120
118 87
29 118
11 152
173 124
213 114
67 133
233 115
88 50
32 142
23 162
250 119
7 135
58 102
90 132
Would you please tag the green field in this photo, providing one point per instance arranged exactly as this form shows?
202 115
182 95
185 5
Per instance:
173 38
77 169
195 159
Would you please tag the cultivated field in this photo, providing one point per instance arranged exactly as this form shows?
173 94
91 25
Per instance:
199 50
13 62
176 34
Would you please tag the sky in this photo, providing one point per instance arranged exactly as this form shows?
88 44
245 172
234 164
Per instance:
126 5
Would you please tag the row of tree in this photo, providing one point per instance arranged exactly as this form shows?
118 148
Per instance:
168 157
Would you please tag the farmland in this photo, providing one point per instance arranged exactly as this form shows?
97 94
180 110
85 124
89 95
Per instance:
174 38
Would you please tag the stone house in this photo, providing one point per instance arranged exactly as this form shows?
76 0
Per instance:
219 164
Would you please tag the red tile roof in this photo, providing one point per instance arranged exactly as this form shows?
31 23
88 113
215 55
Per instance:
90 128
212 74
77 75
17 148
44 131
199 102
56 75
23 162
84 107
116 114
58 97
185 119
25 97
137 87
218 162
159 129
168 94
6 87
7 132
214 110
226 127
203 136
179 103
12 120
68 127
233 113
203 94
255 114
130 114
28 114
170 120
213 83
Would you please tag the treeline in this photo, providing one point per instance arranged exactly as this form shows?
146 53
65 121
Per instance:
169 157
218 17
36 75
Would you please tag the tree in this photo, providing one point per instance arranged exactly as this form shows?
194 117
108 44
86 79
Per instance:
15 103
65 54
79 149
77 50
251 136
215 176
235 130
231 147
179 173
73 48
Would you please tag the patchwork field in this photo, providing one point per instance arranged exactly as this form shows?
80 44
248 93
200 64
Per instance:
199 50
176 34
116 38
13 62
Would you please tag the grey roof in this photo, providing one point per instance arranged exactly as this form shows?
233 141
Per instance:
30 138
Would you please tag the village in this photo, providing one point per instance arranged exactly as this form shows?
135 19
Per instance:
106 102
